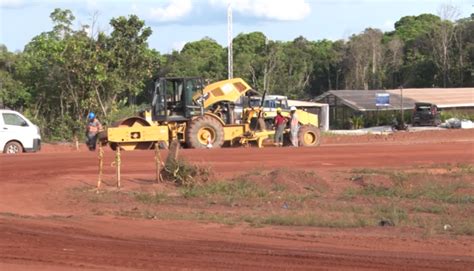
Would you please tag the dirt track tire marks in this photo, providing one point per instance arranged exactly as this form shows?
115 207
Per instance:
55 246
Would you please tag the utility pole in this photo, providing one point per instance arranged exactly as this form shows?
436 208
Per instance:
230 57
401 106
265 71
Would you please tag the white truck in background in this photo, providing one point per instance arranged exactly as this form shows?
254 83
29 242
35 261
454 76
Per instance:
17 133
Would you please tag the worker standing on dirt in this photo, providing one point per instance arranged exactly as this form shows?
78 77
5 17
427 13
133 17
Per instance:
92 130
280 123
294 126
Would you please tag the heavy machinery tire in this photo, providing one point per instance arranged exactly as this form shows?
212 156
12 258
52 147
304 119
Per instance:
13 147
309 136
200 129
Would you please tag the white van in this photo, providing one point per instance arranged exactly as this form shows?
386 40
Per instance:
17 133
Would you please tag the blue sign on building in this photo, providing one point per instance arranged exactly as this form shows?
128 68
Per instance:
382 99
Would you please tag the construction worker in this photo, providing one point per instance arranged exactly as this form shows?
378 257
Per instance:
92 130
279 123
294 126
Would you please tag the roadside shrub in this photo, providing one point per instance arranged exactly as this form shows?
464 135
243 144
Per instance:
120 112
182 173
445 115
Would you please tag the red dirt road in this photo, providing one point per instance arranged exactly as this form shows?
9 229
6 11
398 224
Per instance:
38 231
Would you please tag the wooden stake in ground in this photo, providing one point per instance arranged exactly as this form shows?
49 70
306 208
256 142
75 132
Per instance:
158 163
76 140
173 153
101 165
118 163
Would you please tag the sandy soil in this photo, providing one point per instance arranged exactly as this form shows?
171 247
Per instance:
40 229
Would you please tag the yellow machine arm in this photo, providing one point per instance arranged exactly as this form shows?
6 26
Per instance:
223 91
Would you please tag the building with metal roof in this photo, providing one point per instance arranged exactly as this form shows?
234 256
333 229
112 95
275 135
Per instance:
345 103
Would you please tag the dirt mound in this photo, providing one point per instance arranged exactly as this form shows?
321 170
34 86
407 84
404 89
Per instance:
290 180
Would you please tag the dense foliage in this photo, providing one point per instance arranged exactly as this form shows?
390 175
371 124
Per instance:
65 73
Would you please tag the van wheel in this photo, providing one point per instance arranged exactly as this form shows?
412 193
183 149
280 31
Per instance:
13 147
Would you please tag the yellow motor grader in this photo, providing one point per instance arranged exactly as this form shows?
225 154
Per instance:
199 116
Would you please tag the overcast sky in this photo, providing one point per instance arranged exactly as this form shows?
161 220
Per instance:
175 22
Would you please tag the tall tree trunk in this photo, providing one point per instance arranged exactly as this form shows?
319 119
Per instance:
374 66
329 78
100 101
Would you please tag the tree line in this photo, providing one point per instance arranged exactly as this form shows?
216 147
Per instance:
64 73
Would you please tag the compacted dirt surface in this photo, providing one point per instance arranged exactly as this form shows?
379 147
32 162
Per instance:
40 229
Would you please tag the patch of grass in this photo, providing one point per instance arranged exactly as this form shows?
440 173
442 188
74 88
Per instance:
367 171
253 172
8 214
299 198
97 212
429 209
233 189
341 207
94 196
465 227
192 216
151 198
312 220
432 190
277 187
399 179
442 192
349 193
466 168
104 197
373 191
392 213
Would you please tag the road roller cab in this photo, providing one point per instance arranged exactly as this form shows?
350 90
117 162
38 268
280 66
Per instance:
173 99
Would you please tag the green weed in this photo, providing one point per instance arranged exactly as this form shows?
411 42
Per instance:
234 189
391 213
430 209
148 198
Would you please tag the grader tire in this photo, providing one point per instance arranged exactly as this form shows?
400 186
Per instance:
200 129
309 136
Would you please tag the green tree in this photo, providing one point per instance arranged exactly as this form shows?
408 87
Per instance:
418 68
129 59
295 68
250 58
13 93
204 58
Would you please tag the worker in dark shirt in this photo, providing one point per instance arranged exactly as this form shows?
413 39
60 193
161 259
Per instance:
280 123
93 129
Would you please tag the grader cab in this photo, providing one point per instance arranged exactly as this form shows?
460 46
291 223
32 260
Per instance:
195 114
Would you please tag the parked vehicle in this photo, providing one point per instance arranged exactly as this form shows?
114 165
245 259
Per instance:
426 114
17 133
